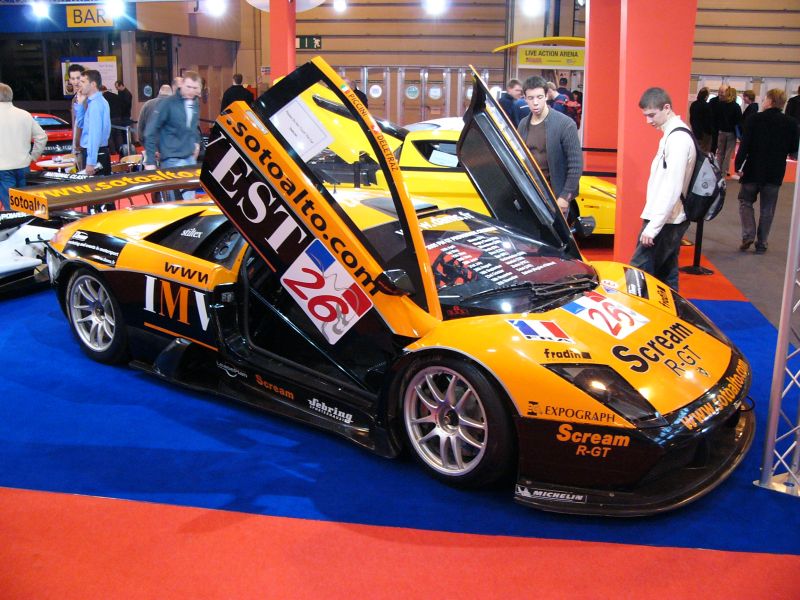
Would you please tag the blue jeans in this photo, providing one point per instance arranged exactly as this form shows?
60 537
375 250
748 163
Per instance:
12 178
179 162
661 259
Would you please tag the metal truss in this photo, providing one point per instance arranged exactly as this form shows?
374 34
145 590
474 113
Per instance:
780 467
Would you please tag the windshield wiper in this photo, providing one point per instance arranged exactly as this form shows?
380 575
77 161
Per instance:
544 291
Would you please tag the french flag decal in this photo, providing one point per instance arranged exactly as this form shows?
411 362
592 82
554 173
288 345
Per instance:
542 331
326 292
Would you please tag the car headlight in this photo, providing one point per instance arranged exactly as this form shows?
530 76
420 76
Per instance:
608 387
689 313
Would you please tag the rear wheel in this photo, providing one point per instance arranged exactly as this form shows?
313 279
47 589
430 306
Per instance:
96 318
456 422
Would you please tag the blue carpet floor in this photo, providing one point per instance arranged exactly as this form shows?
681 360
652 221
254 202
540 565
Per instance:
70 425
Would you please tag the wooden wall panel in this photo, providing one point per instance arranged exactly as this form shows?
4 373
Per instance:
752 38
400 33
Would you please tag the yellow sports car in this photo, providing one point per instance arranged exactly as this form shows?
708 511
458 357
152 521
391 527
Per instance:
481 342
431 168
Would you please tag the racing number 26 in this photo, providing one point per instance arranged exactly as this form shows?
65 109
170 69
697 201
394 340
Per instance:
324 307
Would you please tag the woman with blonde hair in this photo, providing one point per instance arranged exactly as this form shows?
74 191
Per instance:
729 115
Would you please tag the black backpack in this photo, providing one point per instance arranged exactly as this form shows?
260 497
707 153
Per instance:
706 193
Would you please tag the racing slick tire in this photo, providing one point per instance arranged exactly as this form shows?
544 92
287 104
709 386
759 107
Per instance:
455 421
95 317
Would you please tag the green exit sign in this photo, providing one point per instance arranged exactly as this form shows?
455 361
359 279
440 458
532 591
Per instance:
308 42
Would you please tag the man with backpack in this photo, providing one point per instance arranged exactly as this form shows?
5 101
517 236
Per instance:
663 219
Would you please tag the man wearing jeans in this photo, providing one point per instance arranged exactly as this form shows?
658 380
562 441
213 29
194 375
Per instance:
19 130
174 125
768 137
663 219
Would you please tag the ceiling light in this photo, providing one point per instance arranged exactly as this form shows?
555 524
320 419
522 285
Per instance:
41 10
435 7
532 8
216 8
340 5
114 8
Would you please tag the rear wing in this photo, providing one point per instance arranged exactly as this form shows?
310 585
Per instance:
39 201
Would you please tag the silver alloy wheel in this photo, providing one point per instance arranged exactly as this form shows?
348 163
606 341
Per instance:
445 420
92 313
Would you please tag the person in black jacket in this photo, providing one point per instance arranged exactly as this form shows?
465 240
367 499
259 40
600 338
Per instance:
750 109
701 121
769 136
714 104
115 107
236 92
728 117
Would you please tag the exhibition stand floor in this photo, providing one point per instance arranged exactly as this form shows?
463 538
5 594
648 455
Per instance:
116 485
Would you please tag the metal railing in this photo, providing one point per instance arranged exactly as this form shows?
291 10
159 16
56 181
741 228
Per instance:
780 467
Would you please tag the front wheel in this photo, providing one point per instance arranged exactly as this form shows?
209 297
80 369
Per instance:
96 318
456 423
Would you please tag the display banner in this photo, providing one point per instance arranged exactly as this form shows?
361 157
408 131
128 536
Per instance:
107 65
551 57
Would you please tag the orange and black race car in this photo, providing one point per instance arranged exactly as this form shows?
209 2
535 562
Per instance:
477 337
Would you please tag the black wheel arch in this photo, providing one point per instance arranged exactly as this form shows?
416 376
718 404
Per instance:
389 409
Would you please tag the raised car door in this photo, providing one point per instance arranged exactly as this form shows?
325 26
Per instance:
260 169
505 174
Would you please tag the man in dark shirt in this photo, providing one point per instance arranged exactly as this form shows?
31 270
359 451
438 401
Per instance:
793 106
713 104
124 120
769 136
701 121
115 108
236 92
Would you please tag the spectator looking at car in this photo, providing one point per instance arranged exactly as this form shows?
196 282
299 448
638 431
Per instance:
553 140
663 219
236 92
165 91
94 119
769 137
750 109
174 124
714 104
74 72
509 98
701 120
729 115
19 129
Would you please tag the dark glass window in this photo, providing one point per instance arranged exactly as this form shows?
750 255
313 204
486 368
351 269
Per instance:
152 64
22 67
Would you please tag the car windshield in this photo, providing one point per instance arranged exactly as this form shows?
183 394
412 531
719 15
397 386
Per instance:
48 123
479 262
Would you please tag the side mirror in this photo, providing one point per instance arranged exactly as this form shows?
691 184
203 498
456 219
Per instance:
583 226
395 282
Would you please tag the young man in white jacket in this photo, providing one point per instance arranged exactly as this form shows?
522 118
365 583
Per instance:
664 221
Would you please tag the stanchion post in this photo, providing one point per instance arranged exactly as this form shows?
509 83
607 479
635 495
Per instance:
695 268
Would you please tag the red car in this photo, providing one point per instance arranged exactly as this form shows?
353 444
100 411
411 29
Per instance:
59 136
